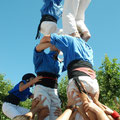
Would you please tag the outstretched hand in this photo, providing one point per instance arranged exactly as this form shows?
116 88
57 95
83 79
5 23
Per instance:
89 105
38 102
58 112
72 100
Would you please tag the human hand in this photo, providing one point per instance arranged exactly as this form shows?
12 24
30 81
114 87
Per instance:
72 100
58 112
40 103
108 110
45 39
43 113
35 102
89 105
37 79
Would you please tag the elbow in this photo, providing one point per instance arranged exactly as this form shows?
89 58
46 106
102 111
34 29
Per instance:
37 48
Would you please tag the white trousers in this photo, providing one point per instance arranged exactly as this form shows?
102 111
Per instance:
48 27
73 16
52 100
90 85
11 110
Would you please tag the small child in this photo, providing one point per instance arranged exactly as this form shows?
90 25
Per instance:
19 93
50 12
73 18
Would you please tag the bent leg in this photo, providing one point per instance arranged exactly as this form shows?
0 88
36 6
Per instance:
11 110
68 17
80 19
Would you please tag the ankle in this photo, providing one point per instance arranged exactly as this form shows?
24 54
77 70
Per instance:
75 34
85 35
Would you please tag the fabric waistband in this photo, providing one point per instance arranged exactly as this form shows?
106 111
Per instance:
45 18
74 68
88 71
12 99
47 74
48 18
47 80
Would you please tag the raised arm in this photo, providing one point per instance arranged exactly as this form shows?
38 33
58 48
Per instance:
23 86
44 43
45 39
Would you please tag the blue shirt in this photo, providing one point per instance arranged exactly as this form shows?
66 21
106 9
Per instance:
53 8
73 48
45 63
21 95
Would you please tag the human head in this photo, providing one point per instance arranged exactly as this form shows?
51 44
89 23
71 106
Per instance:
29 76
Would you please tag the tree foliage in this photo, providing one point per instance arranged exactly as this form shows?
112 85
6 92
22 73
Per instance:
5 86
108 77
62 87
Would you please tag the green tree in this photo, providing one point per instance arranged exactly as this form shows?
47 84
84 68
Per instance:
5 86
62 87
108 77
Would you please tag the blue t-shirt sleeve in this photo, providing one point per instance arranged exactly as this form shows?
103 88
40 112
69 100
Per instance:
29 94
61 42
37 57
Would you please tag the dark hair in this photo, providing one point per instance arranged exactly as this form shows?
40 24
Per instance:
27 76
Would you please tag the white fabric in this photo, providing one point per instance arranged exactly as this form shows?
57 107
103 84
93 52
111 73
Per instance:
11 110
90 85
48 27
52 100
74 15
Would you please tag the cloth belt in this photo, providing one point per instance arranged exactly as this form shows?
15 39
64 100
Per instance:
47 80
12 99
80 68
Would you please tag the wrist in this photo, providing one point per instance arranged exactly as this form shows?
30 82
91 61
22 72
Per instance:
71 107
115 115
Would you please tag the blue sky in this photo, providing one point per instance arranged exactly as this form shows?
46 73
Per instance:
18 25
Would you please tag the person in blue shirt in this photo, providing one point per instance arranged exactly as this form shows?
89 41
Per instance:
19 93
49 67
78 61
50 14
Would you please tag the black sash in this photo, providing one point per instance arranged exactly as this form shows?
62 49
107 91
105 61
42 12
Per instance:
12 99
75 64
48 80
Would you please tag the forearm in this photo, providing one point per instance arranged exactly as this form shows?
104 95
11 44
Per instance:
25 86
45 39
42 46
66 115
101 115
